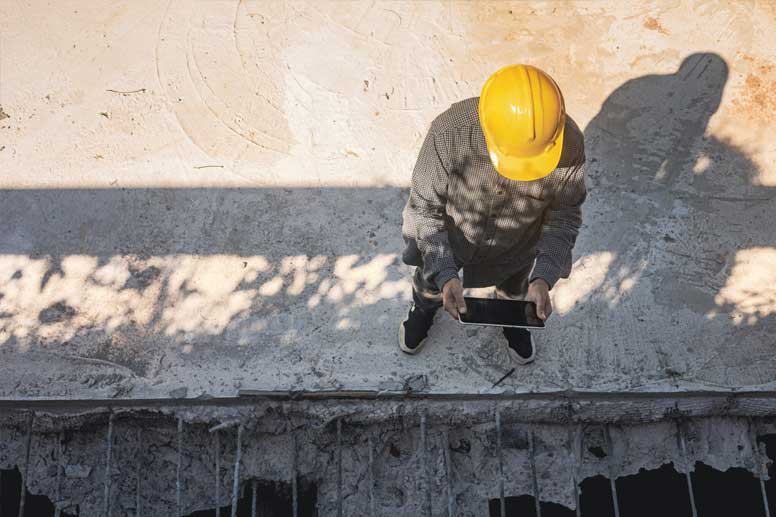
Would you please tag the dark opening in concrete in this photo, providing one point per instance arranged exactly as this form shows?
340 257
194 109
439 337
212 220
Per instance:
662 491
273 499
10 498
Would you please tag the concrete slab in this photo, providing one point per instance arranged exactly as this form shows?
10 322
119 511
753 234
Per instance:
203 197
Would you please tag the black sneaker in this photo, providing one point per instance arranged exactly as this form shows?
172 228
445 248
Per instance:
520 345
414 329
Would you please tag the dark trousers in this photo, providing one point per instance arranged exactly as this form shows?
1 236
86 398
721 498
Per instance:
428 298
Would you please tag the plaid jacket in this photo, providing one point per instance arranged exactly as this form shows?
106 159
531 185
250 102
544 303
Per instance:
462 214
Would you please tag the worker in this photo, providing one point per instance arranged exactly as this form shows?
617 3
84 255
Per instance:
497 192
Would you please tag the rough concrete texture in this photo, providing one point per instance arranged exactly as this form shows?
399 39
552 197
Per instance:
199 197
459 464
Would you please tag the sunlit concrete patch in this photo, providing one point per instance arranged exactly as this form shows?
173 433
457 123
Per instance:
750 293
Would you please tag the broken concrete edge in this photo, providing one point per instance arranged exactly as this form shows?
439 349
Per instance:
320 429
601 408
417 387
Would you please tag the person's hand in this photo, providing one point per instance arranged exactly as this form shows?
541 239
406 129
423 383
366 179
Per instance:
539 293
452 297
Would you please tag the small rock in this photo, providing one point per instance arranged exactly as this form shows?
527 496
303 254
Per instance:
416 383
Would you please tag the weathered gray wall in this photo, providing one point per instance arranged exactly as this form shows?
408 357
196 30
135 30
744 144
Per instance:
560 452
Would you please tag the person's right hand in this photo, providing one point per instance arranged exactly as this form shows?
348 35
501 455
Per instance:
452 297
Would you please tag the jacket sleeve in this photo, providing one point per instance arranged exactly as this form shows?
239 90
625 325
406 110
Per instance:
428 197
560 226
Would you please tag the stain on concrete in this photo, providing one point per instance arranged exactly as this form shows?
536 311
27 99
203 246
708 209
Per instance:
142 278
757 99
654 25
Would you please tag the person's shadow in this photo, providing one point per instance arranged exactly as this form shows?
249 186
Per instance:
675 213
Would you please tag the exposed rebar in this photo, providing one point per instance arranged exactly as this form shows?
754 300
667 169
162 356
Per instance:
424 460
371 476
575 457
534 477
2 440
236 483
294 487
612 476
178 468
339 467
58 488
109 452
758 459
686 461
254 489
217 447
25 476
138 492
502 502
224 425
448 475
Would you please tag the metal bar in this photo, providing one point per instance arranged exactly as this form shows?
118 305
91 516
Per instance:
686 461
502 502
58 490
449 476
294 487
758 459
138 493
2 440
254 489
248 398
424 459
371 476
534 477
106 502
612 477
25 477
217 446
178 468
575 453
225 425
236 483
339 467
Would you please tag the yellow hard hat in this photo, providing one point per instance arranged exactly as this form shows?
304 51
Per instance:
522 116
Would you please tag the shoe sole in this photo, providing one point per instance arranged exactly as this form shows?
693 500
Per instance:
404 348
523 360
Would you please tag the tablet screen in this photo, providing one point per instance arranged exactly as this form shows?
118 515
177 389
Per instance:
504 313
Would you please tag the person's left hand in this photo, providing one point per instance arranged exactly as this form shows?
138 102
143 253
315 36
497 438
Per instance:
539 293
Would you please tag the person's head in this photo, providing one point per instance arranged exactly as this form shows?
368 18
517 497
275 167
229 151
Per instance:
522 115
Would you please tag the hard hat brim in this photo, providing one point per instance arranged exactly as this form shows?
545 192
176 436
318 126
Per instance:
527 168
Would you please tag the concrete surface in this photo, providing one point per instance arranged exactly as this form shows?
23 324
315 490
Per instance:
202 197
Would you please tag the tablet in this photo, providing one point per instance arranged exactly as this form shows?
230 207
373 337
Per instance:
500 313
